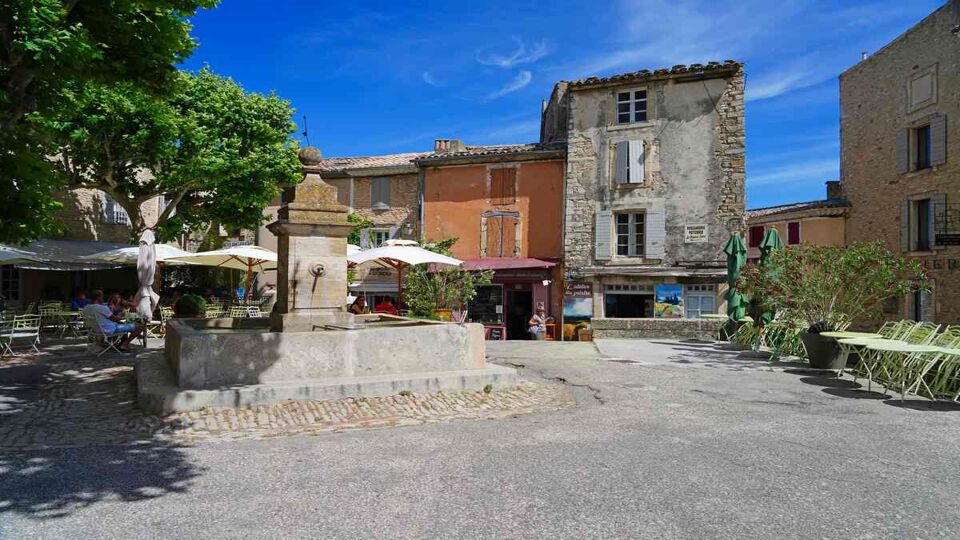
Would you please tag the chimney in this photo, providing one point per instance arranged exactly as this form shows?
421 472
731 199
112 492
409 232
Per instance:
834 189
448 146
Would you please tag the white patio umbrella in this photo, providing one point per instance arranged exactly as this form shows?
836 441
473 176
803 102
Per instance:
146 299
250 259
9 255
130 255
399 255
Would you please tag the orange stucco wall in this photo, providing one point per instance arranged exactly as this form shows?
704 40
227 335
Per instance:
455 197
820 231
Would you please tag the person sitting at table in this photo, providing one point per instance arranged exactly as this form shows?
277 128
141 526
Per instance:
110 323
358 307
117 305
79 301
386 306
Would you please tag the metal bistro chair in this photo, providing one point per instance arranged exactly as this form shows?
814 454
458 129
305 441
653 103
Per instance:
238 312
50 316
21 328
214 312
166 313
254 311
111 340
919 372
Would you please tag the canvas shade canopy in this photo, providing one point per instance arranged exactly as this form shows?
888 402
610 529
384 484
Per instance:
736 257
771 242
129 255
9 255
399 255
250 259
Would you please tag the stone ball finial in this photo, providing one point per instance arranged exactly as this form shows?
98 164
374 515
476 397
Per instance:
310 156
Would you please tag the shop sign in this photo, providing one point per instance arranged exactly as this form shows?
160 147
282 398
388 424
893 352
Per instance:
695 234
942 264
947 239
577 301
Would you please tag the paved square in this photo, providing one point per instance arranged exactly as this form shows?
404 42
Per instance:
669 440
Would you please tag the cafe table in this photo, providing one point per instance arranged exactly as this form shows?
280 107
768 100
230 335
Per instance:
908 352
845 350
69 322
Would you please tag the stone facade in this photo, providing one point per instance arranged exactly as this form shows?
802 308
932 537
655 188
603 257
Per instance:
692 173
404 201
86 216
657 329
886 100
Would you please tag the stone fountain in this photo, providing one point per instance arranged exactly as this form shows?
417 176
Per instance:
311 347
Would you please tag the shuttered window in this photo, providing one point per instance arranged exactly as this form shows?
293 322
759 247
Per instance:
113 212
922 143
756 236
922 147
793 233
502 236
630 234
503 186
380 194
629 162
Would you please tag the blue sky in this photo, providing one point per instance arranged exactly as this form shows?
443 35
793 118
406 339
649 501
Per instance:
384 77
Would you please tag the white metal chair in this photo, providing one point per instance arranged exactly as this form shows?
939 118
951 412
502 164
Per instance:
238 312
21 328
254 311
111 340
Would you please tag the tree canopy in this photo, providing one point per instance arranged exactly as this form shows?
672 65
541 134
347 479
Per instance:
216 153
47 45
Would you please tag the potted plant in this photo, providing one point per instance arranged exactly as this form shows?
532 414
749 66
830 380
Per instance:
826 288
190 306
435 295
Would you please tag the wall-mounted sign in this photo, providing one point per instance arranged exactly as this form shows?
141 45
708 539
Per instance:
695 234
947 239
577 301
941 264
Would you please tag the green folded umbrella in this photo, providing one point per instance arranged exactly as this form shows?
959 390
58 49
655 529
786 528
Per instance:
736 258
771 242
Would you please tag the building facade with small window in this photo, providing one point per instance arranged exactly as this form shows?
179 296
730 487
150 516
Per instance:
504 204
822 222
654 186
900 156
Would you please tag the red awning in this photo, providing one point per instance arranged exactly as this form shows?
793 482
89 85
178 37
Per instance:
507 263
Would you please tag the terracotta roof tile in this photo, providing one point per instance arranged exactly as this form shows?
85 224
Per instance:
707 69
797 207
370 162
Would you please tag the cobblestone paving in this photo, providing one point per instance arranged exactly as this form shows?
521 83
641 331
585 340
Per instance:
78 400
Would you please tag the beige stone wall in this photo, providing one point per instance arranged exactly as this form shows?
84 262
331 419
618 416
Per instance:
83 217
403 202
874 108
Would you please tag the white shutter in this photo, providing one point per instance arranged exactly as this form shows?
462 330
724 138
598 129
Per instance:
902 149
393 232
364 238
622 155
905 225
656 233
938 204
109 209
604 235
938 140
635 154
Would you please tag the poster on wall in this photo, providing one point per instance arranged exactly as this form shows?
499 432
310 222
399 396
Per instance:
577 301
669 301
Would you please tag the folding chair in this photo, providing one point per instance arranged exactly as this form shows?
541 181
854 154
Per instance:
238 312
111 340
21 328
254 311
50 316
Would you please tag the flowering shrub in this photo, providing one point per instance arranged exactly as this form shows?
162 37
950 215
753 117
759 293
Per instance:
827 286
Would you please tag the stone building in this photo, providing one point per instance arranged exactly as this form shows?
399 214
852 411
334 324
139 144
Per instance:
504 204
654 188
900 155
820 222
381 189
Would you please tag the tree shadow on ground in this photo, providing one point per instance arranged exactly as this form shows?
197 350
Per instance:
49 484
72 436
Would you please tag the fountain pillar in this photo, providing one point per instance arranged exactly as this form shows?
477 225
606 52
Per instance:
311 230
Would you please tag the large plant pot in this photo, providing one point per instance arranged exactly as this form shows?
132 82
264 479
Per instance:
823 352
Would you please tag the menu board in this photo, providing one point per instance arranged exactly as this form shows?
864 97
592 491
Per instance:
577 301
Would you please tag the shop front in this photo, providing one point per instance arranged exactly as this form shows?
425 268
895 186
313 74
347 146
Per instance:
519 287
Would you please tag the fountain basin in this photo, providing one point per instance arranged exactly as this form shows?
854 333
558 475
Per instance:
240 362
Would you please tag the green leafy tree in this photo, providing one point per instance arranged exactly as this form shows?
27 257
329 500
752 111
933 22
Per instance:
447 288
216 153
46 45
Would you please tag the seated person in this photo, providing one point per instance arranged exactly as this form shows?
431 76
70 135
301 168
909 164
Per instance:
117 305
386 307
358 307
110 323
79 301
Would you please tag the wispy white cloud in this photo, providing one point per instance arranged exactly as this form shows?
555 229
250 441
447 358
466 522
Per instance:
431 79
819 170
521 55
520 81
